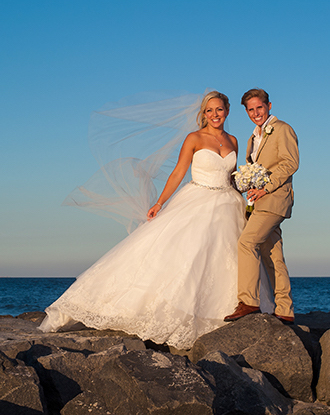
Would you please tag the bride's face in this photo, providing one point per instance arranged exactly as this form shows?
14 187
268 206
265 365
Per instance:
215 112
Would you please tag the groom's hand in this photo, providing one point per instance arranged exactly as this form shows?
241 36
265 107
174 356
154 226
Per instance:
255 194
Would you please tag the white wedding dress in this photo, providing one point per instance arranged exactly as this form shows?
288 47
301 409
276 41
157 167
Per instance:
175 277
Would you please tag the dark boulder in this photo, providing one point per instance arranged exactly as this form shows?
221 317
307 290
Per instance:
20 390
120 382
261 342
323 385
241 390
107 372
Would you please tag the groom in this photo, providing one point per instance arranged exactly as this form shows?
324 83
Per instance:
274 145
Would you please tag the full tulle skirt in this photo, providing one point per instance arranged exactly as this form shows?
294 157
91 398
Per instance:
172 280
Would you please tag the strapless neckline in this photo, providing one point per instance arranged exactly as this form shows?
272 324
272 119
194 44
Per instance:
210 169
217 154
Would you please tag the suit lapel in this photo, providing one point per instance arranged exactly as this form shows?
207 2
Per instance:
263 142
264 139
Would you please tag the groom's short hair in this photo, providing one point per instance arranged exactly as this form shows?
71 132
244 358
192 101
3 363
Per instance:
253 93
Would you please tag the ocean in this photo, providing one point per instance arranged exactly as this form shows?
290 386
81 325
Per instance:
20 295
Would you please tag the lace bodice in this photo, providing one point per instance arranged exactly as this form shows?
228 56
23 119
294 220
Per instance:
210 169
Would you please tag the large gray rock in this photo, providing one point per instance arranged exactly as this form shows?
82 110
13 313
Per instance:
17 329
122 383
95 371
20 391
323 385
241 390
20 338
261 342
65 375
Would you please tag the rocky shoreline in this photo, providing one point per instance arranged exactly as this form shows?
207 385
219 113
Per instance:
253 366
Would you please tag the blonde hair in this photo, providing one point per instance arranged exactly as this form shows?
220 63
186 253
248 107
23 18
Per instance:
201 119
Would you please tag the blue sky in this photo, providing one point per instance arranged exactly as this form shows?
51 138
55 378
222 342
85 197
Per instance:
63 59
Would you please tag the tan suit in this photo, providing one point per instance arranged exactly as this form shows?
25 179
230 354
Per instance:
278 152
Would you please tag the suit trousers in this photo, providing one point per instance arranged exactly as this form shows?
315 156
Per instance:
262 238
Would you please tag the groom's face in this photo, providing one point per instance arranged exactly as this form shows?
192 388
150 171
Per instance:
258 111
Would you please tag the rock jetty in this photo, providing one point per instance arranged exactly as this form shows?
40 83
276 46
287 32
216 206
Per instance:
256 365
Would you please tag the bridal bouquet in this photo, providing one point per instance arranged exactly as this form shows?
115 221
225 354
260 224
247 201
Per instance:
250 176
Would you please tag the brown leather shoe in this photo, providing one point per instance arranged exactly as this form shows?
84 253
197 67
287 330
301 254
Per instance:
241 311
285 319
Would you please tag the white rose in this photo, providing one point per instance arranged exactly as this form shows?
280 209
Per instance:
247 175
269 129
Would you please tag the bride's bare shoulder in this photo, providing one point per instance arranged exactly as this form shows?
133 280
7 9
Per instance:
193 138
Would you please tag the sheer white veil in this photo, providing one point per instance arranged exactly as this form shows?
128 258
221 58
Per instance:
136 142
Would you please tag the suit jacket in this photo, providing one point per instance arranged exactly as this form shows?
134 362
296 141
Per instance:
278 152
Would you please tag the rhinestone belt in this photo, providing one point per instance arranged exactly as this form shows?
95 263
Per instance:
211 187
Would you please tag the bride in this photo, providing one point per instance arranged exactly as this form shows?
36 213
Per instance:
175 277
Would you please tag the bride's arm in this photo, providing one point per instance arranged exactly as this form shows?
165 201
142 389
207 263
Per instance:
235 145
175 178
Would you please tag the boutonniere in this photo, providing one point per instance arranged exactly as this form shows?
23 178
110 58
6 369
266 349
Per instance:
268 130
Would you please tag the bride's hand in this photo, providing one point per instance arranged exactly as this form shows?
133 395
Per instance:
153 211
